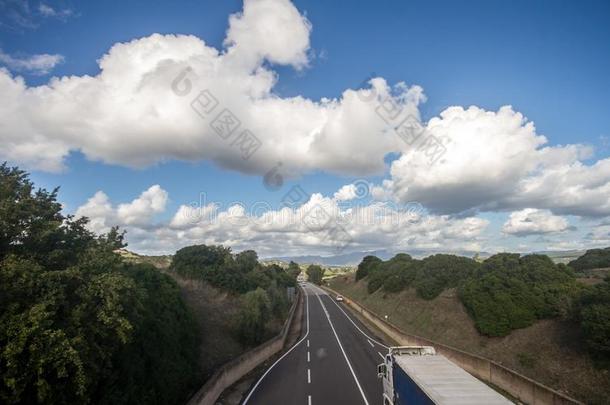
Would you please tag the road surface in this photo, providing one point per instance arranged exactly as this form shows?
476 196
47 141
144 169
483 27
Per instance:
334 362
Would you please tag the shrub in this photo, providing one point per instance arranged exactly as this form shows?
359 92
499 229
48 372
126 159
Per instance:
511 292
592 259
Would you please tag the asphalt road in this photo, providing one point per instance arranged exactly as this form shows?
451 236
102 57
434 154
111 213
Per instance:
334 362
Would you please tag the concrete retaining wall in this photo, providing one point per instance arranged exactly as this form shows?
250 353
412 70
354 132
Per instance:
524 389
234 370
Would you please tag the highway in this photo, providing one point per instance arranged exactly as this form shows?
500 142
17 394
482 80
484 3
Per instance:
334 362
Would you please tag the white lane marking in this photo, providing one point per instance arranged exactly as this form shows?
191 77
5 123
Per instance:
381 355
307 342
308 376
309 399
285 354
343 351
353 323
372 345
308 359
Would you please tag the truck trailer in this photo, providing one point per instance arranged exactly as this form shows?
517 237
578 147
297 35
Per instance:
416 375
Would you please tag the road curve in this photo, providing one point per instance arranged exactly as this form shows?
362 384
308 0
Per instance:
334 362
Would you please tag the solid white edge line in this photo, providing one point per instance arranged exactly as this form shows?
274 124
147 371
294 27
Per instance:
343 351
353 323
284 355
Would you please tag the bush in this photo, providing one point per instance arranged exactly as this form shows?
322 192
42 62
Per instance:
592 259
254 314
367 266
594 317
439 272
315 274
511 292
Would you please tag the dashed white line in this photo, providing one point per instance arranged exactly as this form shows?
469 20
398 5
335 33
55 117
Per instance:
343 351
309 399
308 376
372 345
350 319
285 354
381 355
308 359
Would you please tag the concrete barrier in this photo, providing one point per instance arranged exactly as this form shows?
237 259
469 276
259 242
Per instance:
237 368
520 387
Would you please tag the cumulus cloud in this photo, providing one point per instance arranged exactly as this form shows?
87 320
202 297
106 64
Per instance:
146 105
272 30
495 161
167 97
531 221
143 208
321 225
138 213
41 64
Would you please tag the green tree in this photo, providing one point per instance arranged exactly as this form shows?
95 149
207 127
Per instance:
509 292
315 274
294 269
592 259
73 315
368 265
254 314
594 316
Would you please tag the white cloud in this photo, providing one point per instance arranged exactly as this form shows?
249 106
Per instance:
143 208
40 64
531 221
269 29
320 225
496 161
137 111
128 114
138 213
99 211
47 11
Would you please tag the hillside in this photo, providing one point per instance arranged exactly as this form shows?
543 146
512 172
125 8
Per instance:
547 351
215 311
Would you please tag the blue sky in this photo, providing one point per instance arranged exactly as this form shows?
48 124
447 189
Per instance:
547 59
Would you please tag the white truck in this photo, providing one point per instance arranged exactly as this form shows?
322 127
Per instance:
416 375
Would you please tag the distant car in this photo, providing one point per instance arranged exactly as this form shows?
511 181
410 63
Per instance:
339 297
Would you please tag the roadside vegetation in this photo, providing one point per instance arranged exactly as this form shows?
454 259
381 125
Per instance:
262 288
77 323
592 259
315 274
505 292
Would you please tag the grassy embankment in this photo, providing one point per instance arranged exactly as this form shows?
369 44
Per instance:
547 351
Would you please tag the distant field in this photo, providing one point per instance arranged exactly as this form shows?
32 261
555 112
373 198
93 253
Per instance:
547 351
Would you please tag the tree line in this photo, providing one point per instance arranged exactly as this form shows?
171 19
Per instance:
77 324
505 292
263 288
